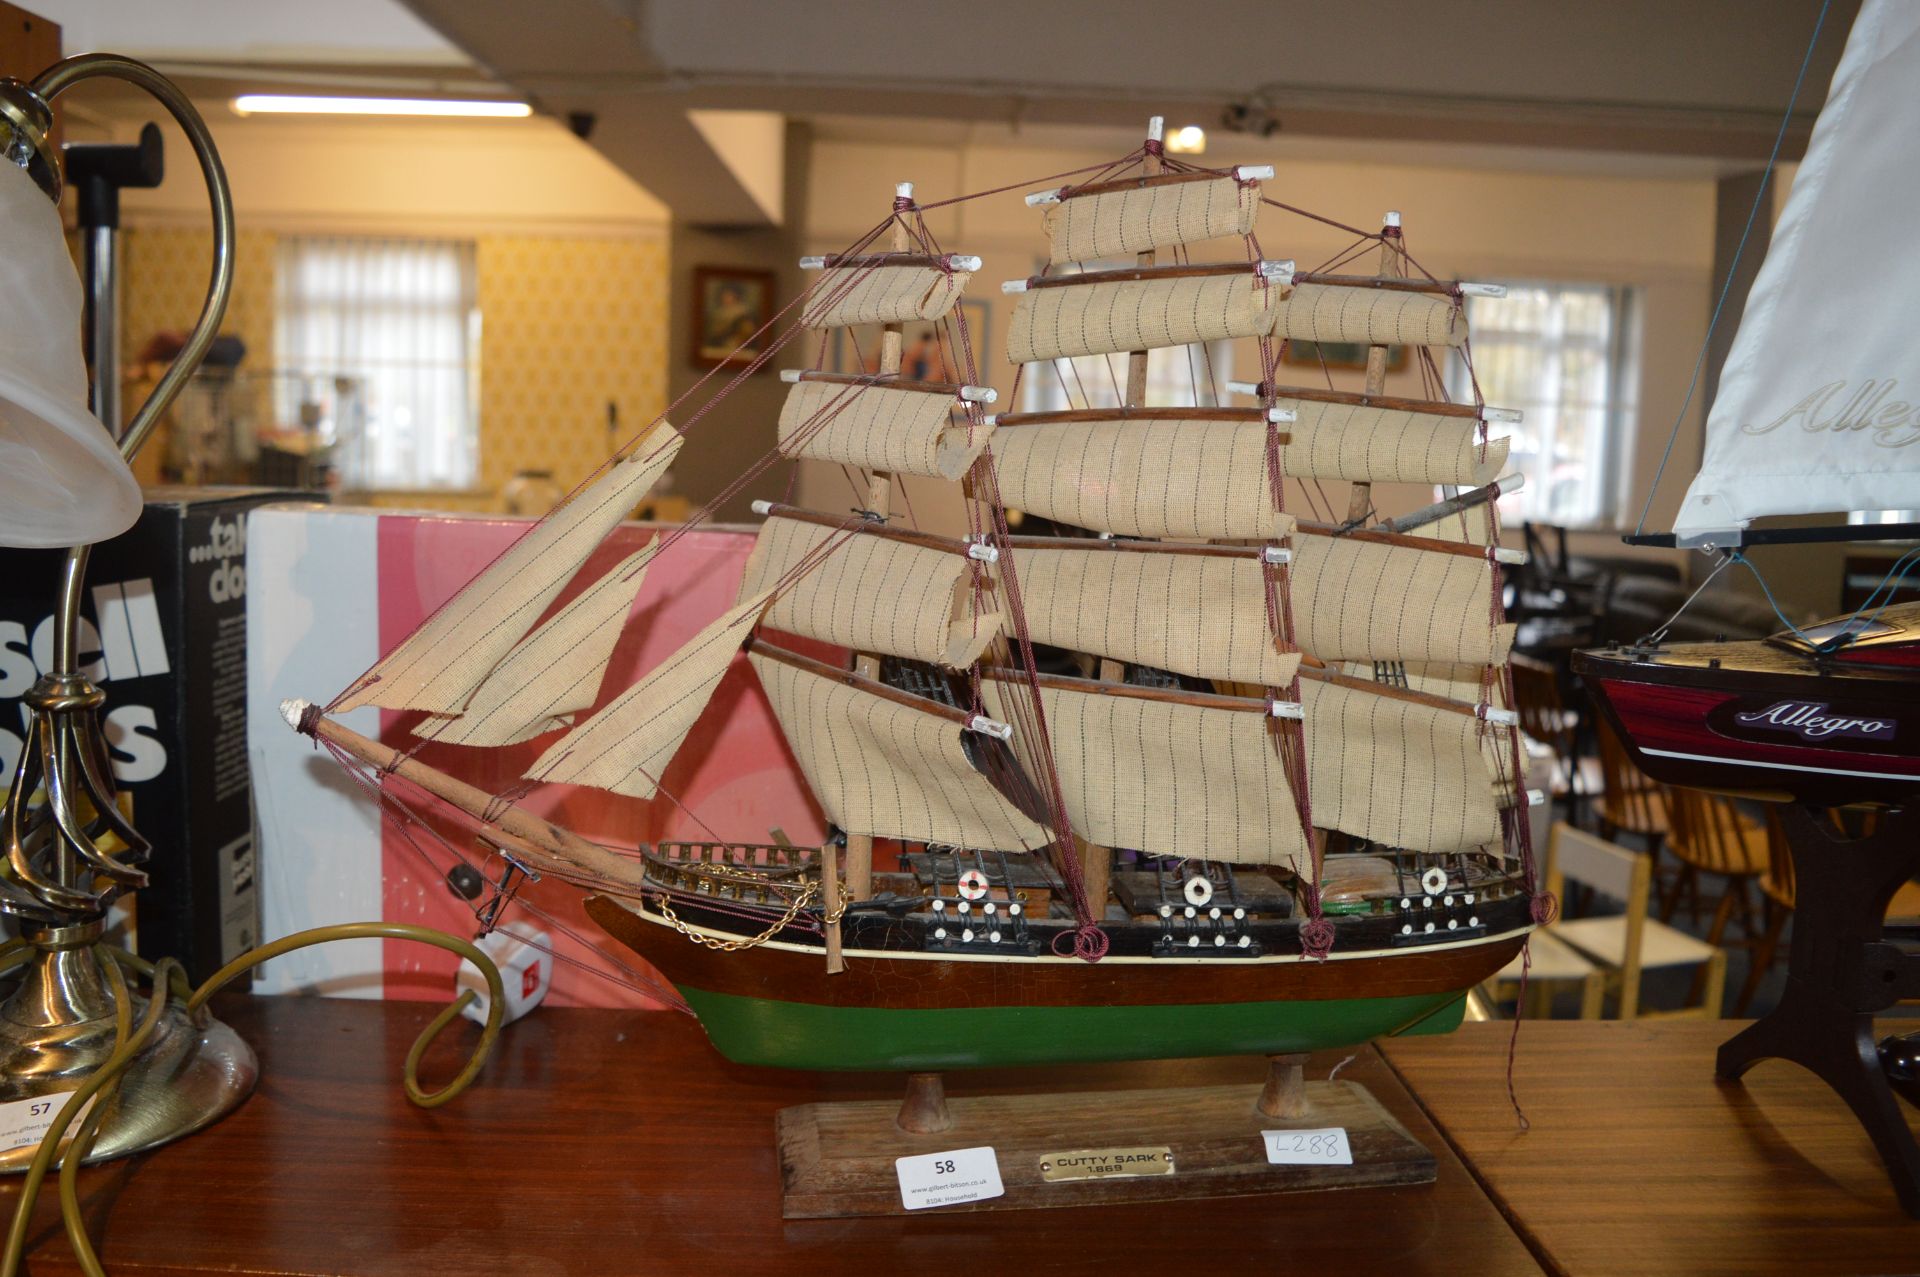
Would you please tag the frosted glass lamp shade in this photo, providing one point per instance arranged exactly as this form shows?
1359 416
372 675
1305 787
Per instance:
62 479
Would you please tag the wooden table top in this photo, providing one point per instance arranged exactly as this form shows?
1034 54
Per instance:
1638 1161
617 1142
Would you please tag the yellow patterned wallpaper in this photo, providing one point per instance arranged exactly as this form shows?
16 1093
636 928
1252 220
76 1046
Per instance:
567 324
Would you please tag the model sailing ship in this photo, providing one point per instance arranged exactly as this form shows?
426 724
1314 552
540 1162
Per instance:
1188 776
1812 417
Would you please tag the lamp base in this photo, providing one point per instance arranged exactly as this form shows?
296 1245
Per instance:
58 1028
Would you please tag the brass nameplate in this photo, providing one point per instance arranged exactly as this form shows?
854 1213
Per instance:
1105 1163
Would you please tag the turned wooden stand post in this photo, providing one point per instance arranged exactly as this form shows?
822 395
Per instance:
1285 1094
924 1111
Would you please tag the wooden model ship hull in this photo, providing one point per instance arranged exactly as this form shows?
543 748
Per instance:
1769 717
899 1006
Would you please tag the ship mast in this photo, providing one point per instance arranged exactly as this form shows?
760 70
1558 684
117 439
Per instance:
1360 494
879 502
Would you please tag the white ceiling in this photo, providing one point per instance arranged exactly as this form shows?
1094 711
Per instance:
240 31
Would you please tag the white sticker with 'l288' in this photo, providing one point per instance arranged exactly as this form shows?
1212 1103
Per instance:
1326 1146
947 1179
24 1122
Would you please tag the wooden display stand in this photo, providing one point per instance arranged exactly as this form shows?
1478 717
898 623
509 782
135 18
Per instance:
837 1159
1845 964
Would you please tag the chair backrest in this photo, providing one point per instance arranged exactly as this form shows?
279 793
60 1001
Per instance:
1629 798
1707 831
1777 881
1536 695
1626 876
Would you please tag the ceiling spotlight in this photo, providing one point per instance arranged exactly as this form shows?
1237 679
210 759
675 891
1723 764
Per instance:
282 104
1190 140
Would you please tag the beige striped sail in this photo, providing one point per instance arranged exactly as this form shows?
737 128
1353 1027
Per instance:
846 295
1068 320
555 672
1111 223
626 747
1381 445
1166 778
869 592
883 768
1163 478
1203 615
1365 601
880 428
1398 772
1455 682
439 664
1370 316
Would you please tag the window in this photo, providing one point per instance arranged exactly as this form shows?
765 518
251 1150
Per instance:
400 317
1559 353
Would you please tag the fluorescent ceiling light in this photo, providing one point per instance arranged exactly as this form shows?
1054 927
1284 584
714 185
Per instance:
282 104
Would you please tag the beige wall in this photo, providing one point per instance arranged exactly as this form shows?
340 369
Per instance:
1653 234
571 256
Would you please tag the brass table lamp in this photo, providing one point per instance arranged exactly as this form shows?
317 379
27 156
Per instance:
69 852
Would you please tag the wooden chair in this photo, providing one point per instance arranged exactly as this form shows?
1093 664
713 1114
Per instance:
1632 802
1544 716
1626 944
1777 897
1709 834
1552 966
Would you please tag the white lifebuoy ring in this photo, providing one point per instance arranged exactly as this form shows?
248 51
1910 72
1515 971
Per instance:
1199 891
1434 881
973 885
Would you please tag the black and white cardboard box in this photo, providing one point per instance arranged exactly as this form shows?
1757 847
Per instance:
164 635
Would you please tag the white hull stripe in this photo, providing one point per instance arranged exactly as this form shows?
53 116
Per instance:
1786 767
1264 959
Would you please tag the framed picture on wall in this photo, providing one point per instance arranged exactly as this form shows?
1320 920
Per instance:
922 357
1339 355
731 307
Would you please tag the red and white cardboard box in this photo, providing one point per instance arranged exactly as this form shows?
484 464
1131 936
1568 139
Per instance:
330 588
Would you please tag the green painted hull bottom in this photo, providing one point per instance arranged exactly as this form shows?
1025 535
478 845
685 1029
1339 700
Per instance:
800 1035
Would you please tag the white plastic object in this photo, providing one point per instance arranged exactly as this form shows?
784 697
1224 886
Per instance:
1277 555
62 480
791 375
1515 557
526 972
763 507
1391 219
1014 286
813 263
985 553
989 727
1433 881
1219 942
903 190
1281 270
1037 198
1198 891
966 935
1278 416
1289 709
1510 483
1245 942
1015 910
991 420
1499 717
1536 798
1253 172
979 394
963 261
1483 290
1156 127
1502 416
1244 388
